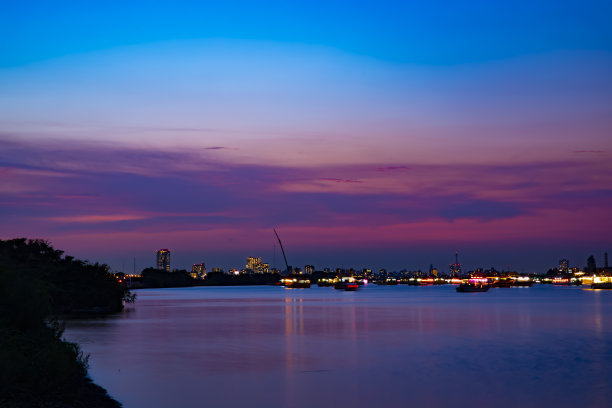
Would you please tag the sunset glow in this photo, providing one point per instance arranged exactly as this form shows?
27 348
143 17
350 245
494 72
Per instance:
385 144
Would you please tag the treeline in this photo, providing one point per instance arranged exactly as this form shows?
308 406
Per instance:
38 283
157 278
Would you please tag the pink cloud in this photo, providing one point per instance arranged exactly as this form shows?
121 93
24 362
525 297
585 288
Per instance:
92 219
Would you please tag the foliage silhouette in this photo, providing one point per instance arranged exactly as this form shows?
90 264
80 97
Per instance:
37 367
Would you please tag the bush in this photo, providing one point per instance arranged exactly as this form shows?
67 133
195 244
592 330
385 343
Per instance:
37 367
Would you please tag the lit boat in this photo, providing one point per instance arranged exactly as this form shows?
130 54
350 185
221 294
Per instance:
561 281
298 283
346 283
414 282
602 282
503 283
439 281
474 285
425 281
523 281
352 286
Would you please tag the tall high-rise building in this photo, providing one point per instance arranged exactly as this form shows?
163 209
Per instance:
591 265
163 259
564 265
254 264
309 269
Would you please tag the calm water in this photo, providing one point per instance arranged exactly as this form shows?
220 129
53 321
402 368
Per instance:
379 347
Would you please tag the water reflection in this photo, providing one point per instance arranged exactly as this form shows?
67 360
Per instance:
382 346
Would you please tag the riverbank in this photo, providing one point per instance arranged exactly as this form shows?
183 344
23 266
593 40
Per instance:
155 278
38 368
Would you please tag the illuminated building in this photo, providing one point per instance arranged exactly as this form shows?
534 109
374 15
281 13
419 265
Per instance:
455 269
433 271
198 270
163 259
254 264
309 268
564 265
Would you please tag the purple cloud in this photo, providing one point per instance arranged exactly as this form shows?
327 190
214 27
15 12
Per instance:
393 168
338 180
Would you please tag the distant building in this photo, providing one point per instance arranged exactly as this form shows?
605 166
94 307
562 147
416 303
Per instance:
564 265
455 269
198 270
254 264
217 270
433 271
591 265
309 268
163 259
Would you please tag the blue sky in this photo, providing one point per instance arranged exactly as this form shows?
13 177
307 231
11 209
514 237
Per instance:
379 134
426 32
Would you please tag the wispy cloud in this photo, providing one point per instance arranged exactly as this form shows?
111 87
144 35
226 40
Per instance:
338 180
92 219
393 168
170 194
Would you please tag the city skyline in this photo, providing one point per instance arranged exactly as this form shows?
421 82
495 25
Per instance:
261 264
378 135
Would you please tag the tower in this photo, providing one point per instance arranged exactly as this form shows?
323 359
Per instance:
455 268
163 259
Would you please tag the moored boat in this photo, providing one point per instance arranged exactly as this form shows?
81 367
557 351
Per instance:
298 283
471 287
601 282
523 281
346 283
503 283
474 285
324 282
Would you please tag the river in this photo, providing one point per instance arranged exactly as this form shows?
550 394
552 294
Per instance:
382 346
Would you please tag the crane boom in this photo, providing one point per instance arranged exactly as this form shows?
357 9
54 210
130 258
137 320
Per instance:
282 249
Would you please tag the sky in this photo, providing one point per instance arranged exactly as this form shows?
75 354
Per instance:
384 134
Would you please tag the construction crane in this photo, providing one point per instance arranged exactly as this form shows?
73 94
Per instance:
282 249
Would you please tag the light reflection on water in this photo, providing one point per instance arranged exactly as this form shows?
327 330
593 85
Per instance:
381 346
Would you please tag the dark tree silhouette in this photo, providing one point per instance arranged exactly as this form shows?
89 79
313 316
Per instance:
37 367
